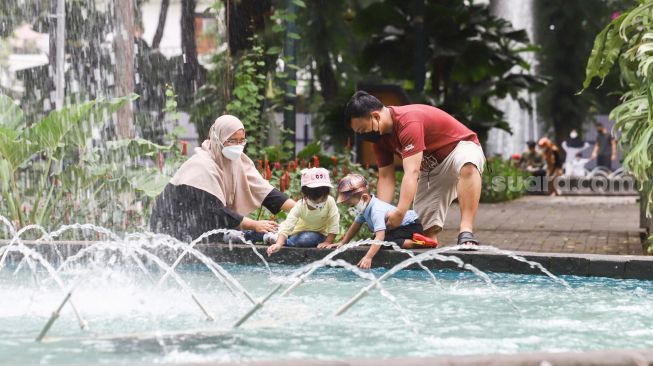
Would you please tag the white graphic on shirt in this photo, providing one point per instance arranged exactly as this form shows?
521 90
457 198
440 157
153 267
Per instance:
429 162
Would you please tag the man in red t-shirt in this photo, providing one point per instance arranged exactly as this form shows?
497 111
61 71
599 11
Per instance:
442 159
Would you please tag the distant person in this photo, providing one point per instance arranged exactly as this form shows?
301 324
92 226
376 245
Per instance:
577 166
605 148
572 146
554 160
315 219
532 160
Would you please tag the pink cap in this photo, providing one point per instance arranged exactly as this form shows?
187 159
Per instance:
316 177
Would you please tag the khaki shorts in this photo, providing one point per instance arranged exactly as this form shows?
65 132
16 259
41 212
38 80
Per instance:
436 189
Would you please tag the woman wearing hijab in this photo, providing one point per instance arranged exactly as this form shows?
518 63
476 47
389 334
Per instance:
572 146
217 188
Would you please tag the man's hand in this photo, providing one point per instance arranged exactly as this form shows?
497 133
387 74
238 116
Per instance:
274 248
265 226
394 219
614 157
365 263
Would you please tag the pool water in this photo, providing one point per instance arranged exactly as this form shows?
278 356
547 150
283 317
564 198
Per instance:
131 321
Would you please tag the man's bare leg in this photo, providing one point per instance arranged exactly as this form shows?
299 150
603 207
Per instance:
469 194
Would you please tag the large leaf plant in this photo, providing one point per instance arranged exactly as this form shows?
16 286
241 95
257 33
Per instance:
52 174
627 43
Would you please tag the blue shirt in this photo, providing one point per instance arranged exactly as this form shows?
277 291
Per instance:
376 211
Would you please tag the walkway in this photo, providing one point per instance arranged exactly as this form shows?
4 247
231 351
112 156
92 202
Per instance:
598 225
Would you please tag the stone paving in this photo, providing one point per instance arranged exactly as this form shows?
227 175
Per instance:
595 225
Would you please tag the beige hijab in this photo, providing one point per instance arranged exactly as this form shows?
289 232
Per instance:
237 184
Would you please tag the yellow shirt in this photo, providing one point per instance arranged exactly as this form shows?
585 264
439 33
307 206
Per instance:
325 221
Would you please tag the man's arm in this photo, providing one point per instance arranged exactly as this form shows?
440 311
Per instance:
385 187
412 166
595 151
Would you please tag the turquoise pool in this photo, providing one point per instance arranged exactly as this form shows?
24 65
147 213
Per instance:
131 321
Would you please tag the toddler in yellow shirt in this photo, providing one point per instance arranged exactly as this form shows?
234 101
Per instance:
315 218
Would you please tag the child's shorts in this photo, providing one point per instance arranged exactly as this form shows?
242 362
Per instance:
402 233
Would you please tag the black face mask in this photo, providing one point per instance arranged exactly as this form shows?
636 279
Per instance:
372 136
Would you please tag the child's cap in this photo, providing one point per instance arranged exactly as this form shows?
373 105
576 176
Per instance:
350 185
316 177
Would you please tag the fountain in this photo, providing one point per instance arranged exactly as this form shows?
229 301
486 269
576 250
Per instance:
272 311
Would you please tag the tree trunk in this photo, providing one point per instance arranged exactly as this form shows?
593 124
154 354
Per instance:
124 46
325 73
245 17
192 71
163 14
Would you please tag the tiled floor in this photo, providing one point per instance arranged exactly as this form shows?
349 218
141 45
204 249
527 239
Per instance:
598 225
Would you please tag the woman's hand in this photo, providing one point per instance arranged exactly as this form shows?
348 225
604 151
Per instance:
265 226
329 245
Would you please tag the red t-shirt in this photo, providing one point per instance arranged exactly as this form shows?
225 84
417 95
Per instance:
421 128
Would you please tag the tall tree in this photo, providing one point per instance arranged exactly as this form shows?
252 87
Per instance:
124 71
470 55
163 15
563 57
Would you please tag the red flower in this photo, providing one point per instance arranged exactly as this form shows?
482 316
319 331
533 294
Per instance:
345 169
334 160
268 172
615 15
282 181
316 161
287 179
277 165
259 164
184 147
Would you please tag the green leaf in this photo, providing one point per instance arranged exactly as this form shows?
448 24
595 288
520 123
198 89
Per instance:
14 150
11 116
274 50
135 147
151 184
309 150
299 3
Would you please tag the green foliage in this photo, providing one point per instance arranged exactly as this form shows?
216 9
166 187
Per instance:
628 42
247 101
471 56
50 176
563 58
503 180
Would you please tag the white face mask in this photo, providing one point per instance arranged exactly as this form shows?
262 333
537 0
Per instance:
359 208
232 152
312 204
573 134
